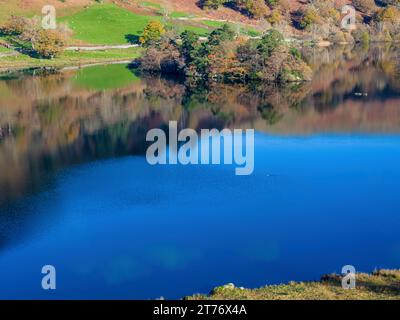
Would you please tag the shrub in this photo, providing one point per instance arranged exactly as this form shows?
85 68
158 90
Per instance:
31 30
45 43
334 14
273 3
308 17
256 8
388 14
269 42
388 37
48 43
212 4
348 37
152 32
391 2
225 33
362 36
275 17
337 37
225 58
295 53
14 26
162 57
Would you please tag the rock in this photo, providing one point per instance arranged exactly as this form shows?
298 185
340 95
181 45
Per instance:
324 43
229 286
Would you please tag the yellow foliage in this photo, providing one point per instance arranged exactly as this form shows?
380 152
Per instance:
275 17
48 43
152 32
389 14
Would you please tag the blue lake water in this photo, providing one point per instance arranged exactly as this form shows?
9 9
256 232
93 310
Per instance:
76 191
121 228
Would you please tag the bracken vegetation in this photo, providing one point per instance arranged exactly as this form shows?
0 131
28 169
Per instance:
321 19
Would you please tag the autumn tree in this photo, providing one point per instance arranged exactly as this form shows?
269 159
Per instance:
14 26
163 57
152 32
43 43
212 4
253 8
308 17
273 3
48 43
275 17
389 14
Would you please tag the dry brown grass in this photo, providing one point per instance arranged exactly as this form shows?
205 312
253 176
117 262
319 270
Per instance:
381 285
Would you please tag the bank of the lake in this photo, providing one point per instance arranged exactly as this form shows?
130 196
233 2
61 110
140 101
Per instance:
11 60
68 58
380 285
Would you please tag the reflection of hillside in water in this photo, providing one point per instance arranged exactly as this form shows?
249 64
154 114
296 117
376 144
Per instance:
50 121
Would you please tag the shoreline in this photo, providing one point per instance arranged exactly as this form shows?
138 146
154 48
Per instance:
23 62
379 285
65 67
69 59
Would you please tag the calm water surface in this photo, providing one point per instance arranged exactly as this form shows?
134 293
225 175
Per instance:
76 191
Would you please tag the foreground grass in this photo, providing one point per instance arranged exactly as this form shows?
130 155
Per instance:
69 58
381 285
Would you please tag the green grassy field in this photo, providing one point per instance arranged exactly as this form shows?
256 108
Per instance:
111 25
106 24
180 27
5 50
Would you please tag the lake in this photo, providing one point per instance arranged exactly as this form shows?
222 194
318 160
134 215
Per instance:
76 191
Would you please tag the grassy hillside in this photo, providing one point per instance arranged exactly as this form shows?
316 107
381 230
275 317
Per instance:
121 21
106 24
115 22
111 24
30 8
